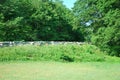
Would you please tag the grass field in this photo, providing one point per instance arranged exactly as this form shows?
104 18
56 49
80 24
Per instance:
57 62
59 71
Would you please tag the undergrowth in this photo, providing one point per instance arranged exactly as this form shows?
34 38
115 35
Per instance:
64 53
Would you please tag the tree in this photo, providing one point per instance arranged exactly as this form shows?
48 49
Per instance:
49 21
15 21
36 20
100 21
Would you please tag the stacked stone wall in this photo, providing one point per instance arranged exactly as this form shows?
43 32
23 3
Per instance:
19 43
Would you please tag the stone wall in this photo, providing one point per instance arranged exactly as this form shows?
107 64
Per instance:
19 43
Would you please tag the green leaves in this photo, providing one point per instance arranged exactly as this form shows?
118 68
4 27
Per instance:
36 20
104 28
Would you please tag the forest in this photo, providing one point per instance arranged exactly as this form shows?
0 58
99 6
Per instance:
93 21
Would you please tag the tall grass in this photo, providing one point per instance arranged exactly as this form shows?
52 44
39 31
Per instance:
67 53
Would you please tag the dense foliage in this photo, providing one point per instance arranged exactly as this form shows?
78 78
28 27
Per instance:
100 22
36 20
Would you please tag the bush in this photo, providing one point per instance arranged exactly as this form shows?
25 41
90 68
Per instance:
64 53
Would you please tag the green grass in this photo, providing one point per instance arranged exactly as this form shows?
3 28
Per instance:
59 71
62 53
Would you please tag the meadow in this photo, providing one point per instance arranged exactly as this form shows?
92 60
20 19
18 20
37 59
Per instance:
59 71
57 62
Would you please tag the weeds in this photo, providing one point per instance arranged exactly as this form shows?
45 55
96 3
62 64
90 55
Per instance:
67 53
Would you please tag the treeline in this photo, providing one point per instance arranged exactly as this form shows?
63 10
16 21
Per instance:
94 21
35 20
99 21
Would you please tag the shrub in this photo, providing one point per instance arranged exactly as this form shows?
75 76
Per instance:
67 53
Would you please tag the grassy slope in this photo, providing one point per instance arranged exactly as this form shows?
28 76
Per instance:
70 53
59 71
